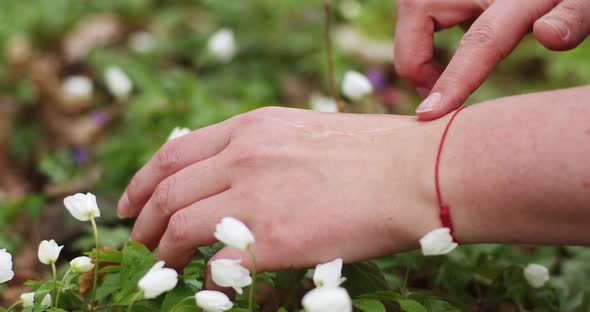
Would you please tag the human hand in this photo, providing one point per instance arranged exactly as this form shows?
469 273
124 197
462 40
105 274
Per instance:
311 186
498 28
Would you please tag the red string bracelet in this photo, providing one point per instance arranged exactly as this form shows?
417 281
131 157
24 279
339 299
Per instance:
445 209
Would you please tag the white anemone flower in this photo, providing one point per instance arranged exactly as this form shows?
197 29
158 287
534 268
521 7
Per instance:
157 281
536 275
213 301
327 299
437 242
329 274
229 273
355 85
222 44
82 206
234 233
48 252
6 272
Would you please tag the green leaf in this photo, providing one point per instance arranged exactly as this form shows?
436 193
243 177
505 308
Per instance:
383 295
409 305
369 305
181 291
110 255
363 277
135 262
110 284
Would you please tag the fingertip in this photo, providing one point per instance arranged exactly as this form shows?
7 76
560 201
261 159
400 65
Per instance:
553 34
123 207
436 105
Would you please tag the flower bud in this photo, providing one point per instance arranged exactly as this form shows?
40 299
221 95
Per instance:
46 302
327 299
437 242
6 272
322 103
328 274
213 301
355 85
229 273
536 275
48 251
157 281
222 45
28 299
77 87
82 264
82 206
234 233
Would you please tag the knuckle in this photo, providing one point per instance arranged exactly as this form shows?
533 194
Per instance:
133 190
178 228
478 35
408 69
247 155
412 4
256 116
161 196
167 157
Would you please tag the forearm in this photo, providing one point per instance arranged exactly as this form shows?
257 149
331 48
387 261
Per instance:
517 170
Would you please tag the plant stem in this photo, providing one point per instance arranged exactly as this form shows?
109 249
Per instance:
96 262
137 295
405 284
14 305
251 296
328 13
54 272
60 286
176 306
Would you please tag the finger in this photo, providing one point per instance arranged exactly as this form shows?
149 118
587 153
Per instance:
485 44
565 27
193 227
190 185
172 157
414 46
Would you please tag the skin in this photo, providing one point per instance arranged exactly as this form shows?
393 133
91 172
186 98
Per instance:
316 186
498 27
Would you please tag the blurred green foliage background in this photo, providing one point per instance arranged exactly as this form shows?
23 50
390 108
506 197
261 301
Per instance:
51 146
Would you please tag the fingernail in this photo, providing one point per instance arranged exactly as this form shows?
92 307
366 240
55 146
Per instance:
559 26
430 103
123 210
423 92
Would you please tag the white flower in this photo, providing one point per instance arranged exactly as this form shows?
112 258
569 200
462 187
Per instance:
536 274
437 242
6 272
77 87
82 264
213 301
48 251
355 85
82 206
222 44
117 82
350 9
326 299
142 42
46 302
28 299
328 274
157 281
234 233
322 103
178 132
229 273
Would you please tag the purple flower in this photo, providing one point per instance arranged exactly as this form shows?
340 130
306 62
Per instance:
376 77
81 156
99 117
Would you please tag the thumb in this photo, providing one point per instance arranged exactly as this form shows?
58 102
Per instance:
565 27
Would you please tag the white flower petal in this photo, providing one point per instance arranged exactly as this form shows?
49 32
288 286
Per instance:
355 85
327 299
6 272
157 281
213 301
82 264
322 103
28 299
437 242
82 206
229 273
222 45
234 233
536 275
178 132
48 252
117 82
77 87
46 302
328 274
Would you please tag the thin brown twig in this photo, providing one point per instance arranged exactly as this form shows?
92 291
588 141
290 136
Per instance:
333 90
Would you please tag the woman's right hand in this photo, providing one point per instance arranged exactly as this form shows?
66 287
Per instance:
499 26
